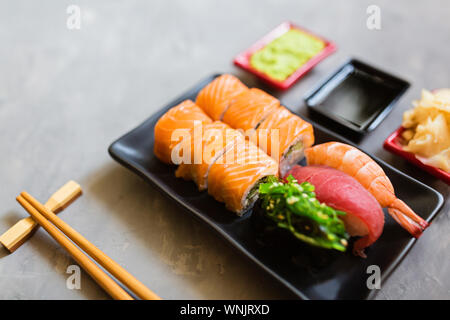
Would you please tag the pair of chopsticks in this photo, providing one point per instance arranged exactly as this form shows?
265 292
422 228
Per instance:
48 220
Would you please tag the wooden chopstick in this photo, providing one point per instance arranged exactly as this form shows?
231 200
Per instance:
116 270
18 234
106 282
105 261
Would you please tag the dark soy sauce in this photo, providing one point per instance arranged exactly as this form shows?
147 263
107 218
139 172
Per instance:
357 96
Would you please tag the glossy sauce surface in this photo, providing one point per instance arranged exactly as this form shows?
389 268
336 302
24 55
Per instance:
356 96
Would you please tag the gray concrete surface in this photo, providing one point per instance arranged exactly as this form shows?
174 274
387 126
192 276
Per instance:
65 95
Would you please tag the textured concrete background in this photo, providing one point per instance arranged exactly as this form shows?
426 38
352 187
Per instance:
66 95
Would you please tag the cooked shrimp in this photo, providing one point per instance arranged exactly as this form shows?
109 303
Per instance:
360 166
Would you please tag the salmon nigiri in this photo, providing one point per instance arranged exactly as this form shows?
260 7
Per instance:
180 117
215 139
249 108
284 136
215 97
363 218
372 177
235 177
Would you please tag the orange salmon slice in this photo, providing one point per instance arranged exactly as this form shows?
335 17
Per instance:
240 169
215 98
216 138
249 108
281 131
180 117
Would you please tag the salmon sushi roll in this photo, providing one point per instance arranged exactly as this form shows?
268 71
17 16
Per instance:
182 117
235 176
215 98
216 138
284 135
249 108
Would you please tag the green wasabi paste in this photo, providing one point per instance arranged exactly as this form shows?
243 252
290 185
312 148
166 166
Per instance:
281 57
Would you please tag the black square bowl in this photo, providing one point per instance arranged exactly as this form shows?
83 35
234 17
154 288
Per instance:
357 96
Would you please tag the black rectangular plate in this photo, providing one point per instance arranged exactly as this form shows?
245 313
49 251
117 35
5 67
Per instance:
380 87
311 273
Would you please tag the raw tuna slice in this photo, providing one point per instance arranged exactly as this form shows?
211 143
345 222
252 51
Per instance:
364 216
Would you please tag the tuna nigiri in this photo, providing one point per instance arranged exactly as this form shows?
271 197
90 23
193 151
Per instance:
234 177
215 98
249 108
284 136
363 218
215 139
181 117
372 177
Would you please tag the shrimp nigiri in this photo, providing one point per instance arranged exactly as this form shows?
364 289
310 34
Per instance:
360 166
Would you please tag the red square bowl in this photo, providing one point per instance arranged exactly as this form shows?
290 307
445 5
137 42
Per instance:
243 59
394 144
